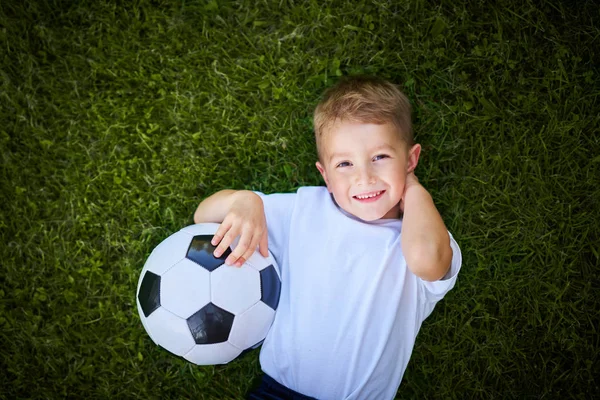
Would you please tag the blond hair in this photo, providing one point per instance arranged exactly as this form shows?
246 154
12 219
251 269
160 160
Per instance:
363 99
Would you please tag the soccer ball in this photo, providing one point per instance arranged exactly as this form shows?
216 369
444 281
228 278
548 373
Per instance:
197 307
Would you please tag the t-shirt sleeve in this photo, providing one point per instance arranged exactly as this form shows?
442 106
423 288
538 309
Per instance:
436 290
278 212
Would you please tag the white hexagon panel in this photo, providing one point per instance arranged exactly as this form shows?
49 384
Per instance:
167 253
251 326
235 289
170 332
188 286
209 354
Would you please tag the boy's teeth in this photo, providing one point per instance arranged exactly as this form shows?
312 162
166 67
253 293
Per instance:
368 196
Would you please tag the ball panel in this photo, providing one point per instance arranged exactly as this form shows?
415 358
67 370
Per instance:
167 253
205 228
270 285
170 331
252 326
185 288
210 354
258 262
211 324
201 251
149 293
235 289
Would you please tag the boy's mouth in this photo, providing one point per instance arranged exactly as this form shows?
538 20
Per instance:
369 197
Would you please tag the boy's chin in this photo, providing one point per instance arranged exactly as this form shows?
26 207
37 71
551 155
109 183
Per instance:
366 216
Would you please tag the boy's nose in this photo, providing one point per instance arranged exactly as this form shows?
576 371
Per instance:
365 177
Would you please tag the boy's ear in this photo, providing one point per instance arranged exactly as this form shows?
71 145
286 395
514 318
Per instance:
323 174
413 158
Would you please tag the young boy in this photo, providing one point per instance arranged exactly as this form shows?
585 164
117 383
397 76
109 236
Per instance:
363 260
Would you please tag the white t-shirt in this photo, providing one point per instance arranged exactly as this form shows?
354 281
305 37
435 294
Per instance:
349 309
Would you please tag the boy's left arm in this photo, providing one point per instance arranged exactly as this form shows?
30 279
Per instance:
424 237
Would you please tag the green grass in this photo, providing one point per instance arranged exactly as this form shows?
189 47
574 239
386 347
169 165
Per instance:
116 119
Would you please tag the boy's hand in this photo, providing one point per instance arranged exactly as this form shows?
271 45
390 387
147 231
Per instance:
411 180
246 219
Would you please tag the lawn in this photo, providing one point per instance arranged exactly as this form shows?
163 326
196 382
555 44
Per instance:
117 118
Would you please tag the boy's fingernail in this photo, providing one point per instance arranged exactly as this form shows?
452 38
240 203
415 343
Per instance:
217 254
238 264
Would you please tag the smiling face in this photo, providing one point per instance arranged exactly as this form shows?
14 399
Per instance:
365 166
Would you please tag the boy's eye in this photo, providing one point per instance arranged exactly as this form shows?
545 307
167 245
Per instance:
343 164
380 156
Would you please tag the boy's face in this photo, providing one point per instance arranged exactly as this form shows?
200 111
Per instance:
365 168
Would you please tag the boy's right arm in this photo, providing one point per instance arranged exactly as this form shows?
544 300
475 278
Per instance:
241 213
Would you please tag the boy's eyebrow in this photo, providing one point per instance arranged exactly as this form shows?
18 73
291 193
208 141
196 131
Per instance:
338 155
345 154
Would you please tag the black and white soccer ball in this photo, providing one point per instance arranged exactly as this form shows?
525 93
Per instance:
197 307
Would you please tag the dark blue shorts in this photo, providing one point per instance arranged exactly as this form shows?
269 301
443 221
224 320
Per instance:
270 389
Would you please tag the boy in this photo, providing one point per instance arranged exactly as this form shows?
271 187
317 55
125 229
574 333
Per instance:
363 260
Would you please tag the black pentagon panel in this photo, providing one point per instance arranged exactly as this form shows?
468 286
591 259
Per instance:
149 295
201 252
211 324
270 287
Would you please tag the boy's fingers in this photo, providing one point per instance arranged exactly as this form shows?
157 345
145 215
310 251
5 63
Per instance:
263 246
251 249
225 242
240 249
240 261
221 231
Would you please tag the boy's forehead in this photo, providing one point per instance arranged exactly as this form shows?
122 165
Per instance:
342 127
344 137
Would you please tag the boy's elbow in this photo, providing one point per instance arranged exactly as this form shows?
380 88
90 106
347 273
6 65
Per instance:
430 264
197 215
202 212
215 207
